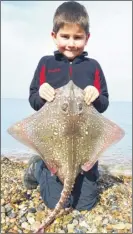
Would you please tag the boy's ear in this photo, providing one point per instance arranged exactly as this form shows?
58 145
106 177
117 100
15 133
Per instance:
87 37
53 34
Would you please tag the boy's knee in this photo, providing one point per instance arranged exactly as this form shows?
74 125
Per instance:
85 193
39 169
50 188
86 204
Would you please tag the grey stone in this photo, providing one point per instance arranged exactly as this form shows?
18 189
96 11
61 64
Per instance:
32 210
23 219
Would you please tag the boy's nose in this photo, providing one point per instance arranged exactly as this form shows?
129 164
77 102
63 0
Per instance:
71 43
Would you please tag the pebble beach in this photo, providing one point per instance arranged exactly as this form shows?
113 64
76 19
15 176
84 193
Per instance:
23 211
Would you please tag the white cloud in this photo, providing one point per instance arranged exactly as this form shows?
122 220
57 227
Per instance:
26 28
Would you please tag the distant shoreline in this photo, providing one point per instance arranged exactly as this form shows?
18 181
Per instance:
13 98
117 170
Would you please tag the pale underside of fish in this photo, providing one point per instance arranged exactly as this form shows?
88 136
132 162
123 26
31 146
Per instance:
69 136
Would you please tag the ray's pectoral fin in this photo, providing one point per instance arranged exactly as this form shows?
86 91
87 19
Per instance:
87 166
16 131
109 134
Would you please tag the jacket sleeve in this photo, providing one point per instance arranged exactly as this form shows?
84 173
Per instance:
102 102
35 100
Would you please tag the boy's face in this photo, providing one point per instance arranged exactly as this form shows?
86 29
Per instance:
70 40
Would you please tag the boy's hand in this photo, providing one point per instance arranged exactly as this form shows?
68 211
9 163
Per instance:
47 92
91 94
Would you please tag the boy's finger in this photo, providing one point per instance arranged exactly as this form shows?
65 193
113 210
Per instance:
47 88
87 94
47 96
50 99
89 97
50 89
48 92
93 98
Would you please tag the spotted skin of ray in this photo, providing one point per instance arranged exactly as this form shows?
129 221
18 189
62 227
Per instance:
69 136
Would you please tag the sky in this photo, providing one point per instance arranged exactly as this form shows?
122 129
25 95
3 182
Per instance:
26 28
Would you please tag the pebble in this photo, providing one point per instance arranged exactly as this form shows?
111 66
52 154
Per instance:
22 213
15 228
32 210
115 208
22 206
23 219
35 225
8 208
13 220
26 210
121 226
31 220
5 228
3 210
7 219
70 228
2 202
98 218
105 221
61 231
12 215
77 230
40 207
68 218
75 222
83 224
2 220
3 215
25 225
76 213
40 215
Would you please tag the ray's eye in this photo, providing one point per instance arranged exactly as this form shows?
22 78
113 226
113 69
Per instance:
80 107
65 107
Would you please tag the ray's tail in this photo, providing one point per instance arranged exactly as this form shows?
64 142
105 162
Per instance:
68 186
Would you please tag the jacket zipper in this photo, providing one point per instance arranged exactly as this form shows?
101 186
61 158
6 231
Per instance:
70 70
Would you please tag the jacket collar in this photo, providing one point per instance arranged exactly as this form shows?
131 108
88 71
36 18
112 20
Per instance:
59 56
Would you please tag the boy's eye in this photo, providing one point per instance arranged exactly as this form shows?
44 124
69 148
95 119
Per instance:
78 38
65 36
75 37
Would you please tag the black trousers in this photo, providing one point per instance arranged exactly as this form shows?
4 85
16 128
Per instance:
84 195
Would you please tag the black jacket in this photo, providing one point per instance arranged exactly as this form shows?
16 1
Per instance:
57 70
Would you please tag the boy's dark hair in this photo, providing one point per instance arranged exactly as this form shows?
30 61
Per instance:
71 12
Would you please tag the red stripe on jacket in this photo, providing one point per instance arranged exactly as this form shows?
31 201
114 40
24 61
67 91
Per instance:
97 80
70 71
42 75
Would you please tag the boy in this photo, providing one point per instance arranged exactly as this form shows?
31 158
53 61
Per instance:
70 34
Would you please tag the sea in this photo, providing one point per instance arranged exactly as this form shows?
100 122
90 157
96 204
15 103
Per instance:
118 156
